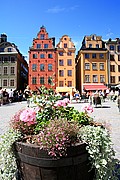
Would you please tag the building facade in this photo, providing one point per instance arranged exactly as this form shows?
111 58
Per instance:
113 47
42 61
66 76
13 66
92 65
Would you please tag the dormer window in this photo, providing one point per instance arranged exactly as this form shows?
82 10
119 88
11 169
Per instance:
42 36
97 45
9 49
111 47
90 45
93 37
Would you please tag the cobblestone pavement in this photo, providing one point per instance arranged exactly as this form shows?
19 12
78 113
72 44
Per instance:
108 113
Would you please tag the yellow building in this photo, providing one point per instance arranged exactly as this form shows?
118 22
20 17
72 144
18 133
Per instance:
113 47
66 76
92 65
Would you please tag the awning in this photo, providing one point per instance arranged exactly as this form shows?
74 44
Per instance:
92 87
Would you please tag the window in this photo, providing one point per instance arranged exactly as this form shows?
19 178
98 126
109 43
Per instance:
102 78
118 68
38 46
101 56
50 56
65 45
5 70
34 80
87 78
12 59
118 48
12 82
97 45
1 49
69 72
60 83
112 79
118 78
49 67
42 56
69 83
69 53
34 56
45 46
5 59
0 59
87 56
42 36
101 66
61 73
34 67
9 49
93 37
49 80
111 47
69 62
112 68
42 81
61 62
90 45
87 66
94 56
60 53
12 70
42 67
95 78
112 57
94 66
5 82
118 57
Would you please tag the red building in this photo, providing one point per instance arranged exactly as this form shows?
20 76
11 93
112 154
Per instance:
42 61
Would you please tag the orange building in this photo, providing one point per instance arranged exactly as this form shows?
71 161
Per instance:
66 76
92 65
113 47
42 61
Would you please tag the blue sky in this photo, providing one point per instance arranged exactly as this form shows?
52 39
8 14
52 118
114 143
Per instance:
21 20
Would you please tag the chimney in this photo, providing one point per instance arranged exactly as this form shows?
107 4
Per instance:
3 38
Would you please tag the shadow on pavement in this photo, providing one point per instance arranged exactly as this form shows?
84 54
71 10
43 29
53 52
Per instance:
102 107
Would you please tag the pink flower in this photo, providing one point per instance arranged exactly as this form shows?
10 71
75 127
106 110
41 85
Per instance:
28 116
58 103
63 102
87 109
66 100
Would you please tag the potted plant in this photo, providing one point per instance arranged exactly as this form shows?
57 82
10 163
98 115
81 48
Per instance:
51 140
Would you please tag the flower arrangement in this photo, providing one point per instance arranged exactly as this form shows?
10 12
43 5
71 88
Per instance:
53 125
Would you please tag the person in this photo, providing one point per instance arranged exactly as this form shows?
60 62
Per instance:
20 96
27 93
5 96
77 96
10 95
1 96
118 101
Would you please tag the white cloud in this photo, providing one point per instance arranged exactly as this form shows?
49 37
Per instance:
109 33
55 9
58 9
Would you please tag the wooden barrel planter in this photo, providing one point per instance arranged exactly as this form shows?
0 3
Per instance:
36 164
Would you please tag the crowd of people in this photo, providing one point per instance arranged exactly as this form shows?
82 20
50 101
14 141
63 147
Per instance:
9 96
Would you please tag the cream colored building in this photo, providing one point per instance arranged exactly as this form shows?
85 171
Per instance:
66 76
